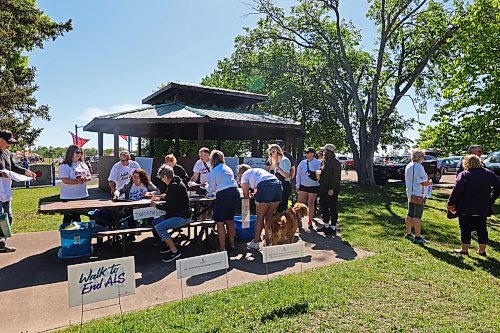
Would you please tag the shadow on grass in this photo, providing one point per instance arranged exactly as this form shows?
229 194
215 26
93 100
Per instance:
451 259
489 264
289 311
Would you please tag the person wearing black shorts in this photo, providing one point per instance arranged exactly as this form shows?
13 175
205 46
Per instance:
307 184
221 181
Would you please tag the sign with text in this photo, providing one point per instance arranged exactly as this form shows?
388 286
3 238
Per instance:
232 162
255 162
282 252
101 280
245 213
201 264
147 212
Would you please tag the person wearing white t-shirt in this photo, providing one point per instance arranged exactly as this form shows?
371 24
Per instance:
201 169
281 166
267 198
74 174
307 184
416 180
121 171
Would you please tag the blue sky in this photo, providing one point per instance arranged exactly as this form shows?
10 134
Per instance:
120 50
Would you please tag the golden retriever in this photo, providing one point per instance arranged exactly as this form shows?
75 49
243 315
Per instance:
283 226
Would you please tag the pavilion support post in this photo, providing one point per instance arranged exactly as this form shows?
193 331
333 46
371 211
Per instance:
100 144
300 149
201 135
219 144
151 147
116 143
260 148
254 143
286 140
139 146
177 144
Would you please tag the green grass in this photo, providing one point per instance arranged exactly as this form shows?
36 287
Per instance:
402 288
25 209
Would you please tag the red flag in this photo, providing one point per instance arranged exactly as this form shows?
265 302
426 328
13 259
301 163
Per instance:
124 137
80 142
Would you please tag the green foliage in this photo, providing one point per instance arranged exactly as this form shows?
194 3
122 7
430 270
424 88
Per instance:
23 27
468 82
354 93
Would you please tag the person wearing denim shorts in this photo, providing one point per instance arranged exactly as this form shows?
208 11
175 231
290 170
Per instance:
268 196
176 207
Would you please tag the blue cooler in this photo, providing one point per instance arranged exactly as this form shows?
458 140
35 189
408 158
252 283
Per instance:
76 243
244 233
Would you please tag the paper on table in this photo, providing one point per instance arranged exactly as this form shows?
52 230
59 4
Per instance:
15 176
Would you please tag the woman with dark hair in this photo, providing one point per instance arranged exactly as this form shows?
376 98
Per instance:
329 188
473 195
307 183
221 181
74 174
139 187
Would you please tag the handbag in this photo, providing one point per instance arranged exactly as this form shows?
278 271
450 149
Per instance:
311 174
415 199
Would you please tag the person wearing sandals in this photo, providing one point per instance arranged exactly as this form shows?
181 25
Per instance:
475 191
307 184
329 189
267 198
227 198
176 207
416 180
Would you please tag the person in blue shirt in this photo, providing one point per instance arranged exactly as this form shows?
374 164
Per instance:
221 181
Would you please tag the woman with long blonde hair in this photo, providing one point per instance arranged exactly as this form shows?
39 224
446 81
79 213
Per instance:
280 166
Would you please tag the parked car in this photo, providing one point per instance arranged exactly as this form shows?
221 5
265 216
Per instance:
492 162
397 166
449 165
342 158
349 164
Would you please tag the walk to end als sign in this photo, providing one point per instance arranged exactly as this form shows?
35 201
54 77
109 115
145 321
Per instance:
101 280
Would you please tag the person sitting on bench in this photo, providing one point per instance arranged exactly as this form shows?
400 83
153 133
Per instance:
176 207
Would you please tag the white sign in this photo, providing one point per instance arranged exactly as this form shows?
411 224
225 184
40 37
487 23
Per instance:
282 252
245 213
201 264
101 280
255 162
147 212
146 163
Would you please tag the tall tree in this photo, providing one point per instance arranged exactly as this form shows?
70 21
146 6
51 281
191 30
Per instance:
469 82
363 88
23 27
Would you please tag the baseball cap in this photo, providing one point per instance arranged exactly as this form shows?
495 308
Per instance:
310 150
329 147
7 136
280 143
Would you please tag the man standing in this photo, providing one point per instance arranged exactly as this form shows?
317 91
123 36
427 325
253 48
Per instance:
7 163
201 168
121 171
475 150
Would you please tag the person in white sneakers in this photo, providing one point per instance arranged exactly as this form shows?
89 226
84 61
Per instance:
267 198
121 171
307 183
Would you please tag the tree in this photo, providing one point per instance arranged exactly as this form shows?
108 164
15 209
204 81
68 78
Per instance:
23 27
468 82
362 88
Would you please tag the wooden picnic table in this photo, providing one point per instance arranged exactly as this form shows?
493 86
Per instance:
91 204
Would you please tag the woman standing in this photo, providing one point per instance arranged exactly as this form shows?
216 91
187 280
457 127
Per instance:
280 166
307 184
473 195
74 174
416 180
329 189
268 197
221 181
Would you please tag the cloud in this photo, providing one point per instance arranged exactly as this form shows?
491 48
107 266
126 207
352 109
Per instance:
92 112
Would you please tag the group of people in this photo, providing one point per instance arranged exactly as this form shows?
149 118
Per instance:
471 200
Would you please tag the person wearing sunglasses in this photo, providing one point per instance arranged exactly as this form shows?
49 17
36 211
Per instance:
474 150
121 171
74 174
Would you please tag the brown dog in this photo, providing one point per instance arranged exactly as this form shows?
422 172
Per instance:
284 226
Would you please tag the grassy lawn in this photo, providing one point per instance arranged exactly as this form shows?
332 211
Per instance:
25 209
402 288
